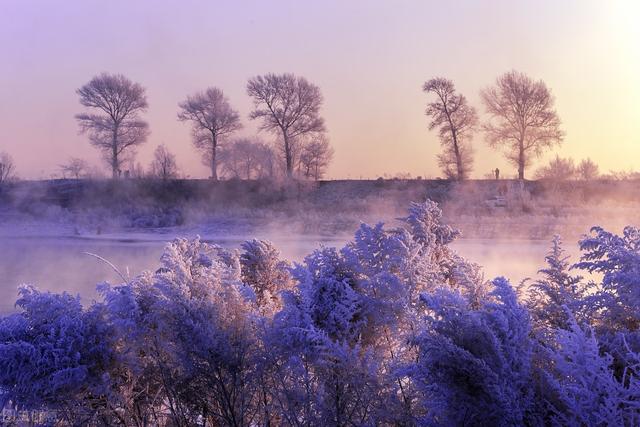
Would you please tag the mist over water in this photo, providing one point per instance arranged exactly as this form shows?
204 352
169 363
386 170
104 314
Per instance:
49 250
61 264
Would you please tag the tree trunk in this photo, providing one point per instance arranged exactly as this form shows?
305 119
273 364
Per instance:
287 154
521 162
214 165
456 148
114 154
459 167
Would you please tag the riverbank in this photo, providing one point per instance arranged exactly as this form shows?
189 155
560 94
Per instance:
480 208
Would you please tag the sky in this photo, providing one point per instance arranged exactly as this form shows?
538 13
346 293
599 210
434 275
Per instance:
369 58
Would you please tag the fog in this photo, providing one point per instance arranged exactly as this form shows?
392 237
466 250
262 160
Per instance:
62 264
49 248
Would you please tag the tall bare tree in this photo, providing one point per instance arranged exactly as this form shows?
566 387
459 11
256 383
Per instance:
522 118
212 119
455 120
75 168
7 168
287 105
116 128
164 164
315 156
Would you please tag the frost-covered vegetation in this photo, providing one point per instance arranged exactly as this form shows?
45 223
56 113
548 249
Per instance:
395 328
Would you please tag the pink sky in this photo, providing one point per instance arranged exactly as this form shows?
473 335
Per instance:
370 59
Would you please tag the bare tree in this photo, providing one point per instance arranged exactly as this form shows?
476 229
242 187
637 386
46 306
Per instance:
212 119
522 118
248 158
7 168
455 120
75 167
287 105
587 170
164 164
315 157
116 128
558 169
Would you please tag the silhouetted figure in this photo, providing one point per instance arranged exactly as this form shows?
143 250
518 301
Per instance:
497 172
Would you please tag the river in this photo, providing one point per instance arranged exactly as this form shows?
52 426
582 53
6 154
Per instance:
61 263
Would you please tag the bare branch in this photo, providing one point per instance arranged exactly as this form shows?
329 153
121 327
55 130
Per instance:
113 267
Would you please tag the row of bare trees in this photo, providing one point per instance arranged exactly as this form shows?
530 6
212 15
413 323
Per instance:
521 121
241 158
287 106
565 169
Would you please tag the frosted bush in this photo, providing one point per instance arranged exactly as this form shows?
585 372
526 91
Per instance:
264 271
584 383
557 290
394 328
475 365
53 354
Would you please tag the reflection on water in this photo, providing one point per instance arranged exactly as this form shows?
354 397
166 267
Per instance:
59 264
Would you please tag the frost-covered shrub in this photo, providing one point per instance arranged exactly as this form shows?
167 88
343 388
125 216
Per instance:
319 373
368 291
53 354
380 270
616 304
315 380
426 226
264 270
553 298
189 326
206 336
394 328
475 365
326 295
435 263
363 302
584 386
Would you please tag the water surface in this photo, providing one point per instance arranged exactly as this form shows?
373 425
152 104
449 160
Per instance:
61 263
